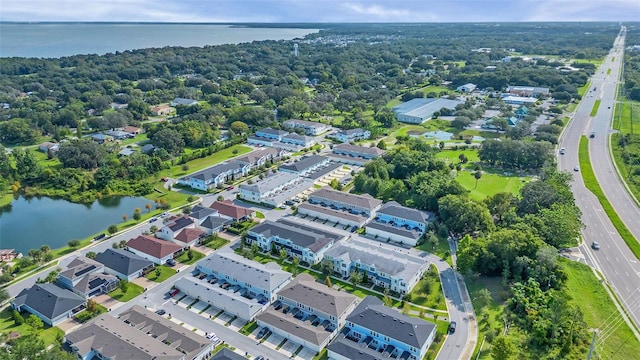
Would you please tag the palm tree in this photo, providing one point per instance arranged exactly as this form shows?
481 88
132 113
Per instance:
44 249
477 175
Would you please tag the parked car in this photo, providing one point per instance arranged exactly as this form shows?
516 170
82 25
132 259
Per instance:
262 332
452 327
171 262
161 312
174 292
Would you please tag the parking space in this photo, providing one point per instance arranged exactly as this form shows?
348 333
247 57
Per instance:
273 341
223 318
184 303
199 306
289 348
237 324
306 353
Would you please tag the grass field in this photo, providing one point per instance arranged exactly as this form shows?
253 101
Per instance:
600 313
454 155
627 117
165 273
583 89
490 184
133 290
592 184
201 163
596 106
184 258
490 318
7 325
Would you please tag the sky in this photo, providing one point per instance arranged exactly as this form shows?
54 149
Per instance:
305 11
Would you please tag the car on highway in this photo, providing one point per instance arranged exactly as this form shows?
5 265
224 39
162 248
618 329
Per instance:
575 168
153 219
592 135
595 245
230 188
161 312
562 151
452 327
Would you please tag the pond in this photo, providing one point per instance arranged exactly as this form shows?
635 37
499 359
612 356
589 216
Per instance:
30 223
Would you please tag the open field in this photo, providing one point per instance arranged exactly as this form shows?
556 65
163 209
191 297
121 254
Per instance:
490 184
7 325
165 273
133 290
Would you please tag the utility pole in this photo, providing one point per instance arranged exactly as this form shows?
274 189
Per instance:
593 343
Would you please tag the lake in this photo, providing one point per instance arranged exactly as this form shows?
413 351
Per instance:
29 223
52 40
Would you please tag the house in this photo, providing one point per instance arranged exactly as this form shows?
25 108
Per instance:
354 154
123 264
329 214
398 272
528 91
136 334
200 213
147 149
259 157
522 112
49 146
215 176
309 127
308 313
300 241
174 226
161 110
261 281
375 331
189 237
271 134
399 223
227 354
338 200
305 165
119 134
229 298
417 111
100 138
226 208
519 100
214 224
267 190
8 255
49 302
466 88
126 152
132 130
513 121
298 140
353 135
156 250
183 102
86 278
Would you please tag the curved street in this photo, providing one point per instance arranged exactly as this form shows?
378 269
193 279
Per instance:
614 260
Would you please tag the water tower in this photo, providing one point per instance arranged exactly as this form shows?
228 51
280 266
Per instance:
295 50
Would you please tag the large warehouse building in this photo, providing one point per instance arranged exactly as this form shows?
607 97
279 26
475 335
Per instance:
417 111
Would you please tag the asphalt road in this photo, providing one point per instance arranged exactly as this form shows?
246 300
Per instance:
616 262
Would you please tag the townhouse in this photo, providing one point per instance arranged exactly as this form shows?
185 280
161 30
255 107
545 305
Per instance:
309 127
338 200
399 223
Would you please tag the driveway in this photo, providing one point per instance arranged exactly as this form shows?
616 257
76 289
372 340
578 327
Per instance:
107 301
144 282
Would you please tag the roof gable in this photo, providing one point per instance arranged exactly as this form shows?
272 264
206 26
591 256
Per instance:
49 300
122 261
228 208
152 246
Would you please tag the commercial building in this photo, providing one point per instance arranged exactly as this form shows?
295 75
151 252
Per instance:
417 111
398 272
466 88
308 313
374 331
309 127
519 100
399 223
260 281
303 242
338 200
527 91
50 303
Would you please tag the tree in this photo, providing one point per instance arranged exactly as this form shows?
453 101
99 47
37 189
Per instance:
355 277
35 323
190 255
148 207
501 203
4 295
382 145
282 254
125 217
327 281
158 271
255 249
136 214
92 306
124 285
295 263
17 318
17 132
153 229
502 348
239 128
74 243
168 139
477 175
112 229
84 154
91 255
484 298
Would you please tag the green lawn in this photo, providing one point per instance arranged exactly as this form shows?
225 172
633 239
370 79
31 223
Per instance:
584 88
6 199
133 290
428 291
248 328
454 155
216 243
490 184
596 106
441 250
592 184
490 318
184 258
600 312
201 163
259 215
44 161
138 139
48 335
165 273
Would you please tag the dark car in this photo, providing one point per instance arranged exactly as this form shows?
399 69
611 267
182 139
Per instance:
262 332
171 262
595 245
452 327
160 312
230 187
153 219
592 135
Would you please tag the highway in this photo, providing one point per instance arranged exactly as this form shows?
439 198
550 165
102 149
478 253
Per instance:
614 260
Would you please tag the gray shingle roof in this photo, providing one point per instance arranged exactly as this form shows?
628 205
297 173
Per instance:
122 261
226 262
227 354
304 163
200 212
180 223
305 290
392 208
253 157
273 131
215 171
269 183
373 315
214 222
355 149
116 340
287 323
299 236
363 201
49 300
79 267
410 234
329 211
